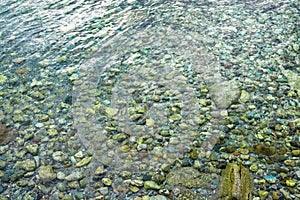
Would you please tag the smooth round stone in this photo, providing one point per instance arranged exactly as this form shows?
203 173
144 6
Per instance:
151 185
296 152
84 162
107 181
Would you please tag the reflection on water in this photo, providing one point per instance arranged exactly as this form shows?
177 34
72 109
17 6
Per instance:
123 94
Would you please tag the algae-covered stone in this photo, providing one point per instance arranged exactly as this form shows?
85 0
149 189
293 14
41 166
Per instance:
290 183
134 189
27 165
111 112
151 185
244 96
46 173
2 79
84 161
236 183
107 181
52 132
33 149
263 194
175 117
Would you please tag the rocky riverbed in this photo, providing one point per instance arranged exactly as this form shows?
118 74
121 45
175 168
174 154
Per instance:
148 99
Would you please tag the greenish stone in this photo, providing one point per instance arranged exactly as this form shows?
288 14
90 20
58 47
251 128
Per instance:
134 189
46 173
111 112
263 194
73 184
151 185
52 132
33 148
3 197
150 122
187 177
99 171
107 181
27 165
83 182
296 152
244 96
293 79
165 133
254 167
22 183
236 183
2 164
67 197
17 175
75 175
290 183
61 59
138 183
125 148
61 186
84 162
201 120
165 167
296 47
175 117
225 93
194 154
141 109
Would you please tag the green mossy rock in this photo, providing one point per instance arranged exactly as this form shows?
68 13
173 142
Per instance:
236 183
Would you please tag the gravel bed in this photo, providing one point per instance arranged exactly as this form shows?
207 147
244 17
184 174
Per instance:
148 99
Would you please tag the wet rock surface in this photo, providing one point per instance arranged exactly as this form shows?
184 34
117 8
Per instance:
236 183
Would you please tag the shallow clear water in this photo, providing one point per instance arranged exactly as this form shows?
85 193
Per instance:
136 85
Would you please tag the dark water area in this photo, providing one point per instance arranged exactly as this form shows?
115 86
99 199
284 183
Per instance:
149 99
